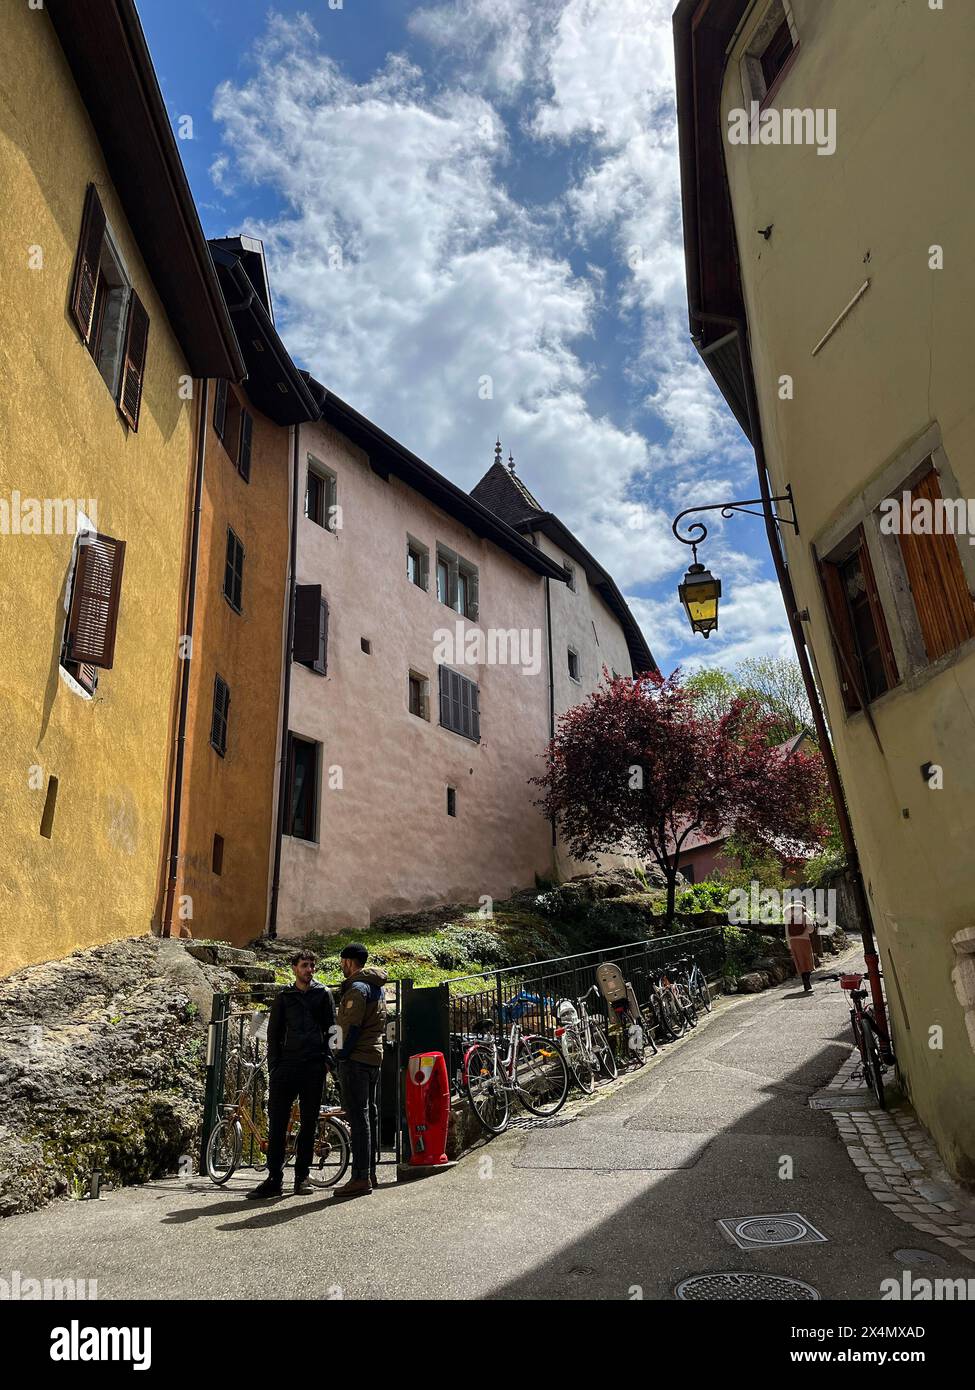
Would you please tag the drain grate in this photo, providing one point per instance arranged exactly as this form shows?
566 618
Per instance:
745 1288
780 1228
920 1257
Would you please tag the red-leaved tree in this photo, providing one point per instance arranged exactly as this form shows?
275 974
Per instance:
635 770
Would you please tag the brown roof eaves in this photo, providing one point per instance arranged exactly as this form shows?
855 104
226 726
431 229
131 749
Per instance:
106 50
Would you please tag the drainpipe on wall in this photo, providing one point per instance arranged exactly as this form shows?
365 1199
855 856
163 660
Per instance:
551 689
819 719
272 923
166 926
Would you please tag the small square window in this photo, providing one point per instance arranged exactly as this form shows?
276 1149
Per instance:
216 862
573 665
366 645
457 583
451 801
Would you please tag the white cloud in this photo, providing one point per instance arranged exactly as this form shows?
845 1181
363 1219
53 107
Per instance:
405 274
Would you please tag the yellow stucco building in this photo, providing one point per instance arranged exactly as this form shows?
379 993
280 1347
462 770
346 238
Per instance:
829 219
110 309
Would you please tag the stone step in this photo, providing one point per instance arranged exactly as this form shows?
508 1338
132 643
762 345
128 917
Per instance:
253 974
217 953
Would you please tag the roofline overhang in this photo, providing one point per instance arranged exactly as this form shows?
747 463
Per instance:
641 656
250 317
154 191
703 33
388 456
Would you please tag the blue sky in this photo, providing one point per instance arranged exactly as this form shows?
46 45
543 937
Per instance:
471 217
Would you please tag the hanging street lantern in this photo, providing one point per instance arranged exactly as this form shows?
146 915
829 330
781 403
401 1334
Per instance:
700 591
699 594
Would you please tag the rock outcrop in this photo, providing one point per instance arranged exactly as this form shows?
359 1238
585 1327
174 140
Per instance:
102 1059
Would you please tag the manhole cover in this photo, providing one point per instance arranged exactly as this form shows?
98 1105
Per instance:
745 1288
780 1228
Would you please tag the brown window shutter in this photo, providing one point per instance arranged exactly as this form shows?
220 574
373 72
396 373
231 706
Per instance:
134 361
308 620
841 631
220 716
95 601
322 662
86 264
220 407
244 451
944 606
879 621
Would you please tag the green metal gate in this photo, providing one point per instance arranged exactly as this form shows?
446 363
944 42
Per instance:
236 1062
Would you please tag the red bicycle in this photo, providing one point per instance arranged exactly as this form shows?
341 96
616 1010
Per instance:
866 1034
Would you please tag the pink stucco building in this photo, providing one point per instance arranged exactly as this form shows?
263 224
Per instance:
431 643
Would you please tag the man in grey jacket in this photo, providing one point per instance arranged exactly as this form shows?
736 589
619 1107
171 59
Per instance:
361 1030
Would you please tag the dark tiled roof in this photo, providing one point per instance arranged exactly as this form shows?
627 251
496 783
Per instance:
505 494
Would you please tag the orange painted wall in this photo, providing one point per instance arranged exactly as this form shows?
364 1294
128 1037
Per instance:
234 795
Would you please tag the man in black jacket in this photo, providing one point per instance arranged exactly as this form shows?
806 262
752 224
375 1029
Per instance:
298 1040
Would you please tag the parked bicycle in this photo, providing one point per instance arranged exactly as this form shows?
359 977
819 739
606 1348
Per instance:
532 1070
225 1146
865 1033
693 980
674 982
584 1042
634 1026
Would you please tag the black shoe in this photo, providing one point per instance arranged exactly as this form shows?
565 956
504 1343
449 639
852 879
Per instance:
303 1186
270 1187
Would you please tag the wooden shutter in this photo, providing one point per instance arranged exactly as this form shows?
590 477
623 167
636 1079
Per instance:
244 450
86 264
877 612
841 630
221 714
93 616
945 610
475 712
459 704
220 407
311 626
134 361
322 663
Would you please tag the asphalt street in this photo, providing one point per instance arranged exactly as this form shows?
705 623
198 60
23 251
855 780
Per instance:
619 1198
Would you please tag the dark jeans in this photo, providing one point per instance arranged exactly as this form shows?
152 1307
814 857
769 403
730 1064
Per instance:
360 1091
291 1080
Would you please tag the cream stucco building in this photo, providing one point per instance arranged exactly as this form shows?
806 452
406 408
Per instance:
829 219
431 651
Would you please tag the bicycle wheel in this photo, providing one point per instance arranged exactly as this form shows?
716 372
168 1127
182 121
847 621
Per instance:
332 1152
701 994
872 1065
541 1075
580 1062
487 1088
686 1004
605 1055
674 1023
223 1151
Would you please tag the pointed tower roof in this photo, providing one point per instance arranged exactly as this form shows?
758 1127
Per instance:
503 492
